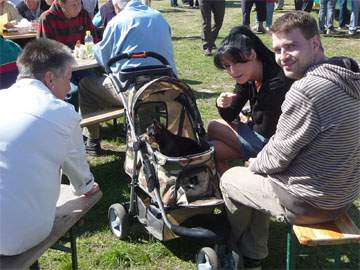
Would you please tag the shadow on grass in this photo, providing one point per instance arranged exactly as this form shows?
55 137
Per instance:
187 37
171 10
114 186
233 4
205 95
191 82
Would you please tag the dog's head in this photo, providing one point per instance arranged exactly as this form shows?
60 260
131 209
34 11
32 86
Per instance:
154 131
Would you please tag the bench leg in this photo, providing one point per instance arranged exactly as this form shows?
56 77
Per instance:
35 266
290 250
73 250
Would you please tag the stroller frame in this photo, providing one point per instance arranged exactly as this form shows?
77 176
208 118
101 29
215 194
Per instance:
119 214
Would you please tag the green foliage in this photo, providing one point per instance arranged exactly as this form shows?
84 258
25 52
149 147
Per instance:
97 247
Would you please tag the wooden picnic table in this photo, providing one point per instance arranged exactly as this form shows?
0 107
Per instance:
86 63
19 35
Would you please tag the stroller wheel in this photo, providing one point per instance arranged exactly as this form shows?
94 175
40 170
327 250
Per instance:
119 220
207 259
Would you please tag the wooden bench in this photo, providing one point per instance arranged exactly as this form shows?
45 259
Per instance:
69 210
101 116
341 231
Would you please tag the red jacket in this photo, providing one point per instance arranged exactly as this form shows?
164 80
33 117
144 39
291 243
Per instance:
54 25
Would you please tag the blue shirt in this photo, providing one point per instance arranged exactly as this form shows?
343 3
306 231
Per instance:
136 28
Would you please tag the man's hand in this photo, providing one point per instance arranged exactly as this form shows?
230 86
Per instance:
95 188
225 99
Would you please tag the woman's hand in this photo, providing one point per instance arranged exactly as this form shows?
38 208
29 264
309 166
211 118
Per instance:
225 99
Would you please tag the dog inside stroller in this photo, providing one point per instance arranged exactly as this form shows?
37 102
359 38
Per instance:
174 189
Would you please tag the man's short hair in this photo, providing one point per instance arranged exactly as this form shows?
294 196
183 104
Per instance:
120 3
43 55
296 19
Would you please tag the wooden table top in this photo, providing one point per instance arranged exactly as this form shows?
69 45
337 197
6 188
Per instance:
86 63
19 35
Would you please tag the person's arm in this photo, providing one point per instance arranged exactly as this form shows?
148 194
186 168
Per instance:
76 167
45 29
103 50
232 112
13 14
298 125
97 20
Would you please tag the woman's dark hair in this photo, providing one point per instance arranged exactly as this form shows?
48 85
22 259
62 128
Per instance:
237 47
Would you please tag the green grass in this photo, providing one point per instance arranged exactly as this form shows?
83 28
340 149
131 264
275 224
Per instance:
97 247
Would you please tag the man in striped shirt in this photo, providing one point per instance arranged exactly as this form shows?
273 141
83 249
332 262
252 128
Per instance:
66 21
309 172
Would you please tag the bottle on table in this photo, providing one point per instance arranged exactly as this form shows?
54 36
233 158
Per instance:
88 43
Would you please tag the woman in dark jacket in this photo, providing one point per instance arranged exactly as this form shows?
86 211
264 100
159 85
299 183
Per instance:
261 83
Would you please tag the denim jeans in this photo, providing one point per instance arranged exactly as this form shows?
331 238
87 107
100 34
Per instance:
354 19
269 14
326 14
342 12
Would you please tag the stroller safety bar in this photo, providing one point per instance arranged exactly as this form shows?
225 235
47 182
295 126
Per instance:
136 55
196 233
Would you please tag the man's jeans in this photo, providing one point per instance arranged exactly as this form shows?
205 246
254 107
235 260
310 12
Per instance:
342 12
354 19
326 14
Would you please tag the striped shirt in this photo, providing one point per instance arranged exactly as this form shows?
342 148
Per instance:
315 152
54 25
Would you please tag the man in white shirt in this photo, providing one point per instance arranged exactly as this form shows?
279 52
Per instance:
39 136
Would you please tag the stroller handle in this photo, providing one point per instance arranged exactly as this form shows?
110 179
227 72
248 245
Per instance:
135 55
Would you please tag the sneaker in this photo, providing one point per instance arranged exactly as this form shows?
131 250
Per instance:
331 31
259 28
342 28
352 32
207 52
93 147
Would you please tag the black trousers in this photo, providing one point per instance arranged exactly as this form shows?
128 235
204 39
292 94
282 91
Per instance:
246 6
305 5
210 32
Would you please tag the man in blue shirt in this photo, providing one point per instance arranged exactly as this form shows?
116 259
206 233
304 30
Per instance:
135 28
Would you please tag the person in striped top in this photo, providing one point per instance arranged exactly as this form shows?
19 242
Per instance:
309 170
66 22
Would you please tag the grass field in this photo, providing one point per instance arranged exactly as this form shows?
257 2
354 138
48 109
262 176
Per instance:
97 247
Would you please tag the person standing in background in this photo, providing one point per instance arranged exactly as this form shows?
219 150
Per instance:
209 31
305 5
32 9
260 5
354 18
326 16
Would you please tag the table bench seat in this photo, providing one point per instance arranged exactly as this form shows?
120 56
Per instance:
69 210
338 232
101 116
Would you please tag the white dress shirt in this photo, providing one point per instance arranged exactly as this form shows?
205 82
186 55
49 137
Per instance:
39 135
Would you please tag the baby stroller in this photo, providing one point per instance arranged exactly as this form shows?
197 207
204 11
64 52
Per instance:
171 196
